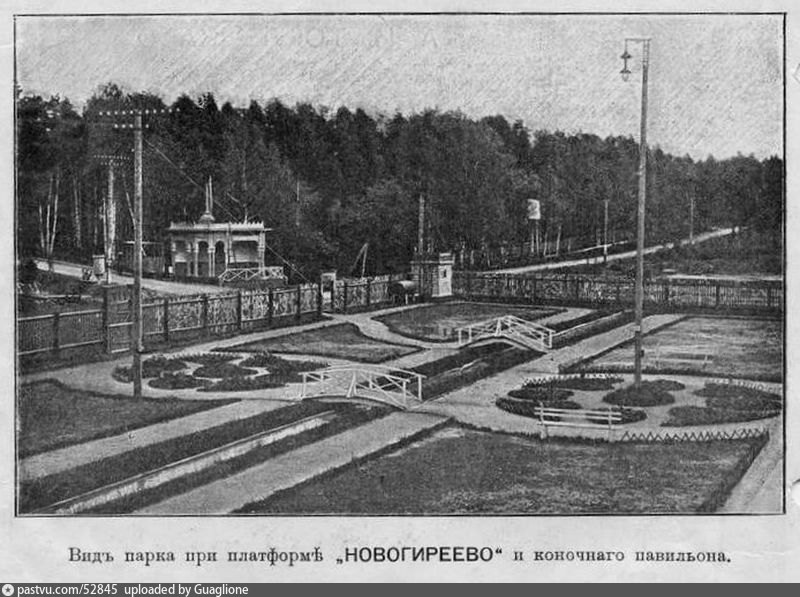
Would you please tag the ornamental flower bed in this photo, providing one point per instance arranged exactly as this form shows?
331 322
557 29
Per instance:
177 381
726 403
651 393
541 393
223 370
629 415
210 358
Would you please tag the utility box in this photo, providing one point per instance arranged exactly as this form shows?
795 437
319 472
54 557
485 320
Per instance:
433 274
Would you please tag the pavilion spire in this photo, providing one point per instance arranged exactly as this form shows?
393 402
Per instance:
208 215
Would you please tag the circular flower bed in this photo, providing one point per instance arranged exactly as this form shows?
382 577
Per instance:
651 393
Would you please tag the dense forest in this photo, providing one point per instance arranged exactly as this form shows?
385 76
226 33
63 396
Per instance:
327 182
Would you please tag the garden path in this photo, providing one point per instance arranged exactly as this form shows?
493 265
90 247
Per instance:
166 287
698 238
295 467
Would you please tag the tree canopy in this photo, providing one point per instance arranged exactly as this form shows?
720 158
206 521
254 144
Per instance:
328 182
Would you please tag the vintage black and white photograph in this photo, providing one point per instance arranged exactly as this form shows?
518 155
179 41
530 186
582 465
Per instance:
417 265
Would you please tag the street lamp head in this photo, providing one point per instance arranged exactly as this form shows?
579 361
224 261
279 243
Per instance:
625 72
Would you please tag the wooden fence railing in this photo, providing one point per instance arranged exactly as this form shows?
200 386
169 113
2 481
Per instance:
108 328
596 291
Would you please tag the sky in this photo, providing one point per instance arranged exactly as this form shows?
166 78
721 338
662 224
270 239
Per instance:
715 81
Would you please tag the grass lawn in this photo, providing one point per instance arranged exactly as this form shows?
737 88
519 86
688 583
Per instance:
469 472
348 416
53 416
438 323
343 341
48 490
741 348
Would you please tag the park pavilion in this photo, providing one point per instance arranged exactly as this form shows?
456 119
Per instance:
224 251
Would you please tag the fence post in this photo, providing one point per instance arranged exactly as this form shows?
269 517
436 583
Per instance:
299 302
205 314
271 307
344 299
166 319
107 319
541 420
239 310
666 292
369 292
56 324
716 298
319 299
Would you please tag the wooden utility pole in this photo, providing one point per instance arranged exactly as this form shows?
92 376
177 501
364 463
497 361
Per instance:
138 338
137 328
605 231
639 294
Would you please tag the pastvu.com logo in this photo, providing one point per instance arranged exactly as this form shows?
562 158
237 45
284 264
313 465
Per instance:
8 590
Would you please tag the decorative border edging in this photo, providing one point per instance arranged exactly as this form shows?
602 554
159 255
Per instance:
654 437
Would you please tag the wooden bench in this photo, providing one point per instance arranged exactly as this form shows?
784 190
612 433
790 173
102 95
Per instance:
584 418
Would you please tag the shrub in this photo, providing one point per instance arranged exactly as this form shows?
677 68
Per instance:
650 394
177 381
28 272
221 370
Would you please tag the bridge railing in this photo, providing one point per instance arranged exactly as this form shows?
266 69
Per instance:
397 387
530 333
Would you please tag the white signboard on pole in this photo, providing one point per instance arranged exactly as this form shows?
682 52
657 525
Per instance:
534 210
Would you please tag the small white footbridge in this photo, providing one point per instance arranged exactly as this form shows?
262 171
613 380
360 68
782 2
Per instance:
402 389
509 328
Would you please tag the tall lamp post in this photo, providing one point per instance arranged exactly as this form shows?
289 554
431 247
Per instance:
639 293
